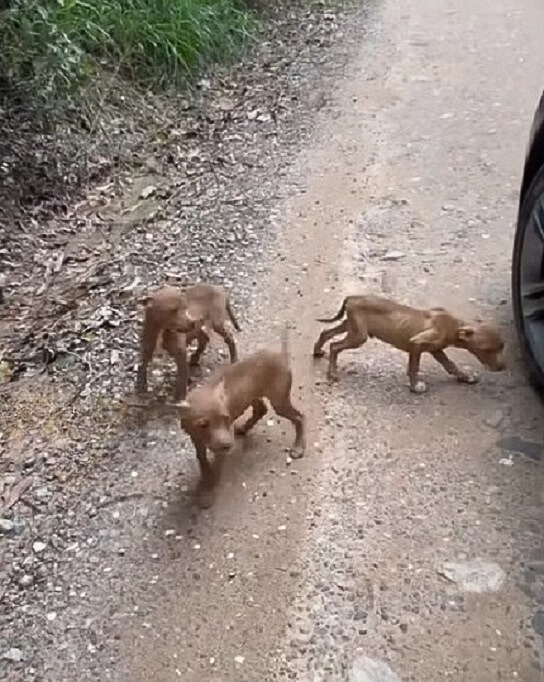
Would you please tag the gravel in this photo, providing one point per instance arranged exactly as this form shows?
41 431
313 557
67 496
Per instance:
189 202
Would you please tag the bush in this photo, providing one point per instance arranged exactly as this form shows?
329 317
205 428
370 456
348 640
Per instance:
51 46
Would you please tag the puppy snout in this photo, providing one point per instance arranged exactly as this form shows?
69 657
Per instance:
186 326
222 444
222 448
498 364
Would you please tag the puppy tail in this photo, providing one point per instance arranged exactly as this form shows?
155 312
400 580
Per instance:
338 315
285 343
144 299
232 318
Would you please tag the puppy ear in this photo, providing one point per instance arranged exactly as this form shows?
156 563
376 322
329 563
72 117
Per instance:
221 392
465 333
182 408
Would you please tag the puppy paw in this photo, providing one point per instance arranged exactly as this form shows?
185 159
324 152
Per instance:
419 387
240 430
205 499
332 378
318 353
205 494
296 452
468 378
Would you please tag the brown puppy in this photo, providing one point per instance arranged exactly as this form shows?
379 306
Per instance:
210 305
166 316
180 316
210 410
414 331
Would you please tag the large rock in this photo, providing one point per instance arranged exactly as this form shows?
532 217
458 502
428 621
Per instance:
366 669
474 576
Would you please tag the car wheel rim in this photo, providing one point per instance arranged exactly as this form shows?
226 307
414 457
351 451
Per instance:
532 281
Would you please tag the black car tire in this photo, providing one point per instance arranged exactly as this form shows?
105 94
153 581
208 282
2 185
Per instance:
522 293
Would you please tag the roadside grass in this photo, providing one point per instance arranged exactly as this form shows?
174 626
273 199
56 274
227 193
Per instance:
48 48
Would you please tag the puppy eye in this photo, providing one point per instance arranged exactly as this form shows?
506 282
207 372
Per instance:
202 423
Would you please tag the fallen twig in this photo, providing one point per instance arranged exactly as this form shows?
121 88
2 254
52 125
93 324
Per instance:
16 492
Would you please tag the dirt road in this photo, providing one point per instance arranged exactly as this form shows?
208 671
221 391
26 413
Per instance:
409 186
350 564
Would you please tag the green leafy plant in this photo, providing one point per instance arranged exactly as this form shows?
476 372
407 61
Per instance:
51 46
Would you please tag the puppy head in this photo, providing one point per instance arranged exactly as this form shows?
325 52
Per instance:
167 307
485 342
205 416
180 320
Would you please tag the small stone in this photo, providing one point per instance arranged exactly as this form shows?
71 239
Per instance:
26 580
474 576
51 616
366 669
239 659
15 655
393 256
38 546
495 418
6 526
148 191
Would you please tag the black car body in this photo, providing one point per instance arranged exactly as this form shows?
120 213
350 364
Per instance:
528 254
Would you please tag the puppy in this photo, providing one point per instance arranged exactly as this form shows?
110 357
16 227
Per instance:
209 413
181 316
166 319
210 305
414 331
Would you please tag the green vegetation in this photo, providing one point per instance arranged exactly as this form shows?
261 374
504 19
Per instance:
50 47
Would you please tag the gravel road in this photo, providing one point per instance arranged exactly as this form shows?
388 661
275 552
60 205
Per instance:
407 545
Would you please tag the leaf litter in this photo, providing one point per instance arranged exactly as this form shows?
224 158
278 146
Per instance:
178 188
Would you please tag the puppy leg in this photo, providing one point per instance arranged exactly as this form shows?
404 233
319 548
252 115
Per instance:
175 344
202 341
283 407
453 370
207 479
150 334
326 335
416 384
259 409
229 340
427 340
287 410
356 335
